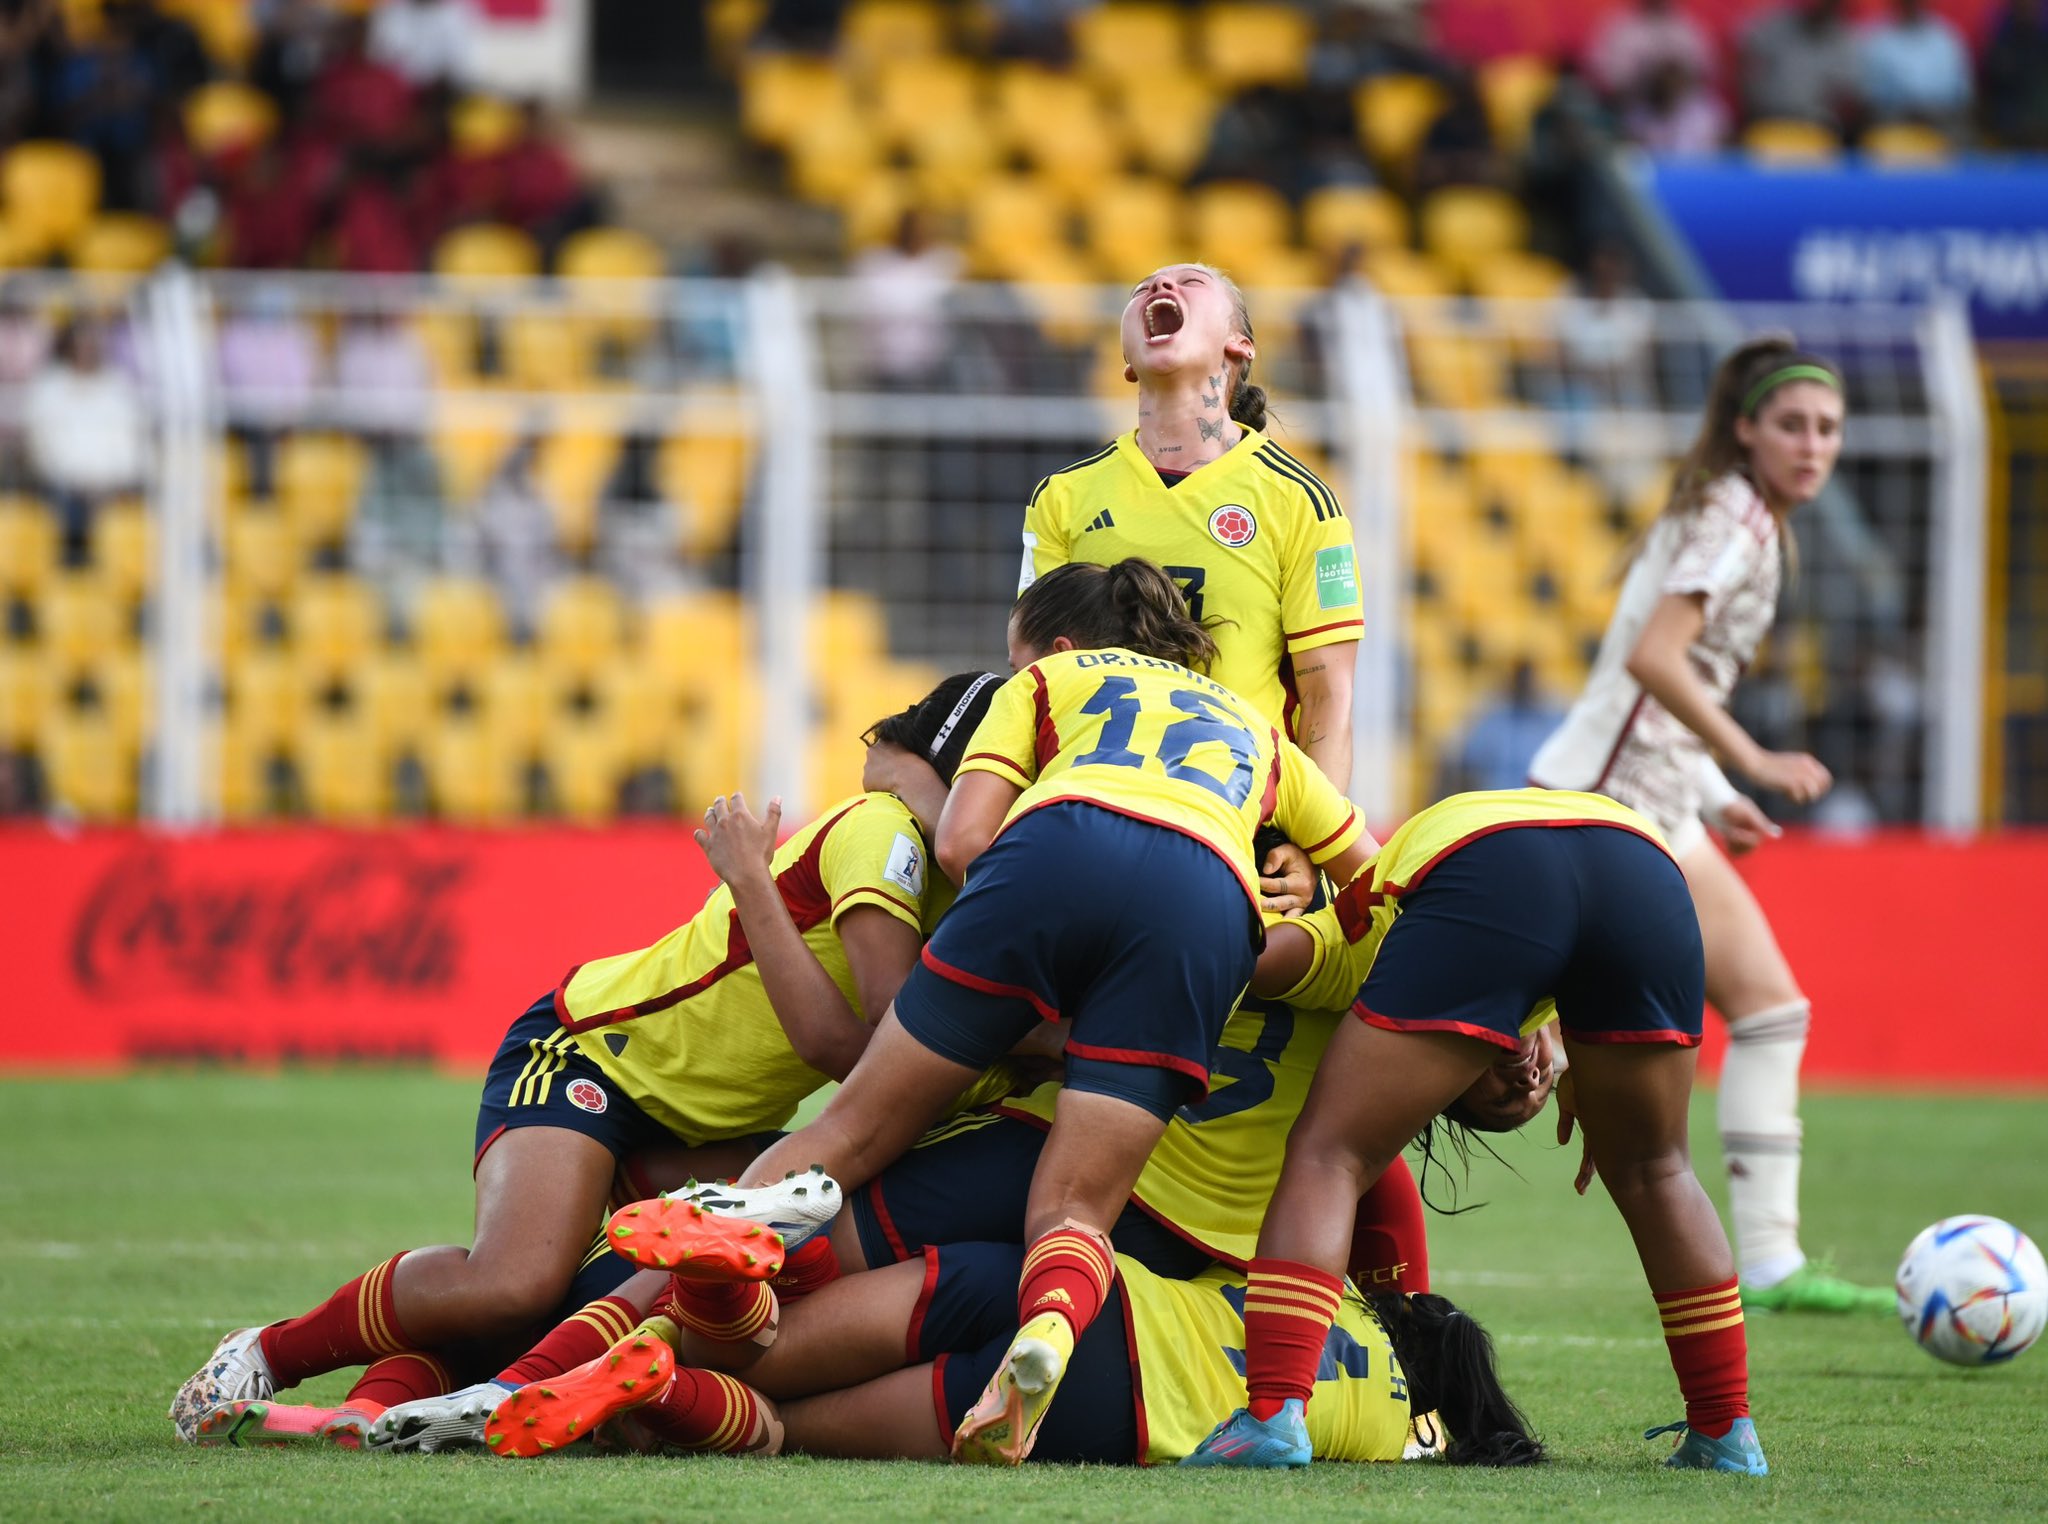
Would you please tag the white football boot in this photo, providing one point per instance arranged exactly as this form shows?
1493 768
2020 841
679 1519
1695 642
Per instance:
430 1424
798 1206
235 1372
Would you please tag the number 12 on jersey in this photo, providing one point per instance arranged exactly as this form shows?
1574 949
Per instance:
1206 720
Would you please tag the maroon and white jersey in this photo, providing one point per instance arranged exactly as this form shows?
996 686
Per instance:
1619 741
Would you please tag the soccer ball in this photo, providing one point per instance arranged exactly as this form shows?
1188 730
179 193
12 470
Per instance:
1973 1290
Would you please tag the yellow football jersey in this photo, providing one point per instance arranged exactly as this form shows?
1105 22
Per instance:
685 1028
1211 1174
1150 739
1253 537
1189 1338
1348 935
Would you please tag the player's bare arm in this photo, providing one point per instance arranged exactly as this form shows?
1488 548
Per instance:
1285 961
895 770
974 812
1322 684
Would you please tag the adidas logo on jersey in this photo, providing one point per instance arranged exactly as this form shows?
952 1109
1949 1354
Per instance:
1101 520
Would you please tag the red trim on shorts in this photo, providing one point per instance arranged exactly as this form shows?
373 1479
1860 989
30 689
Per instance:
477 1162
886 1223
1662 1034
939 1401
922 1305
961 977
1462 1028
1142 1057
1627 725
1137 1374
1395 891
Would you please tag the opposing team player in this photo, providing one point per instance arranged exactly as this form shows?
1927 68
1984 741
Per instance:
710 1037
1104 816
1488 916
1700 596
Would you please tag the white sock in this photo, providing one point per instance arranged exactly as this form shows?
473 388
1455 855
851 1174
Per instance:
1759 1114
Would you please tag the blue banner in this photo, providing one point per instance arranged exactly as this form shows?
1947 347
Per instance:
1978 229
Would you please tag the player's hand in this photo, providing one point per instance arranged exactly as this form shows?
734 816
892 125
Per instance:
735 840
1744 827
1567 1115
1797 775
1287 880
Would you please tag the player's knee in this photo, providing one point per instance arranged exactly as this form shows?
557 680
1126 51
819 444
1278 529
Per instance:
1646 1176
511 1292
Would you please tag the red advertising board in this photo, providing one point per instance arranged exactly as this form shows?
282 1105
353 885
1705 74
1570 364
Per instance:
1926 961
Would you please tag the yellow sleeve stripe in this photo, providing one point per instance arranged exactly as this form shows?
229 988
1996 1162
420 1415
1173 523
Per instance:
1718 1296
1282 1310
1681 1330
1326 1306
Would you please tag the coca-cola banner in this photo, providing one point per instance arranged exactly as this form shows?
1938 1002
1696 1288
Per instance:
1925 961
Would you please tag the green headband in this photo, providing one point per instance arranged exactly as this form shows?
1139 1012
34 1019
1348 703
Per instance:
1778 378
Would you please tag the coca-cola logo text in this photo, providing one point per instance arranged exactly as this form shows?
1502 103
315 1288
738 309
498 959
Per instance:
361 918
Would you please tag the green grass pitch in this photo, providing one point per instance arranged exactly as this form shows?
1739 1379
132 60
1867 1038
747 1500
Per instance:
140 1218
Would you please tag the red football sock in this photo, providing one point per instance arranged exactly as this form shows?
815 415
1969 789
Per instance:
814 1265
1288 1310
1710 1353
729 1312
1389 1241
583 1336
399 1378
707 1411
1067 1271
353 1327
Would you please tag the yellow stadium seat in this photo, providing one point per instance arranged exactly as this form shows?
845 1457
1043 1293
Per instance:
848 627
698 643
729 25
611 254
1233 220
468 455
125 696
51 191
486 251
1029 98
481 125
1012 219
914 96
262 553
1405 275
835 151
547 351
28 544
1786 140
79 621
582 627
1338 217
124 549
226 29
24 695
510 699
705 476
319 478
713 751
397 699
572 469
1394 113
346 775
875 32
471 780
1242 45
1906 145
639 711
88 771
1118 41
584 770
458 628
266 698
243 778
1514 90
1520 276
780 92
227 116
336 624
449 339
121 243
1465 225
1165 122
1133 226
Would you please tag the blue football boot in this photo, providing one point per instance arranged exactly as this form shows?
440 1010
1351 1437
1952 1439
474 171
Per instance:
1737 1450
1271 1444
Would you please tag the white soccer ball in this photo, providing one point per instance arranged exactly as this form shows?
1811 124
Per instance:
1973 1290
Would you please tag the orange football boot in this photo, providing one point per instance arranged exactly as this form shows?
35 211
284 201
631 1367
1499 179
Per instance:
681 1236
546 1415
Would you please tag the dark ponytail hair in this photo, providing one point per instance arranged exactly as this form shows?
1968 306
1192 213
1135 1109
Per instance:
1247 402
1448 1359
1132 604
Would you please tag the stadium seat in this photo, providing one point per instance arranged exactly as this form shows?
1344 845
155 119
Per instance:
319 477
28 545
547 350
872 211
397 700
582 628
697 643
1906 145
50 191
610 254
584 769
1405 275
458 629
1127 39
1242 45
705 475
1165 122
266 698
1517 275
1514 90
24 694
1786 140
226 28
121 684
227 116
1056 123
336 623
1337 217
572 469
79 621
835 151
470 778
124 549
87 770
639 711
510 699
1465 225
913 96
1273 268
1132 226
713 750
121 243
486 251
468 454
729 25
780 92
1394 113
1012 218
346 775
1459 370
875 32
262 553
482 125
1230 220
